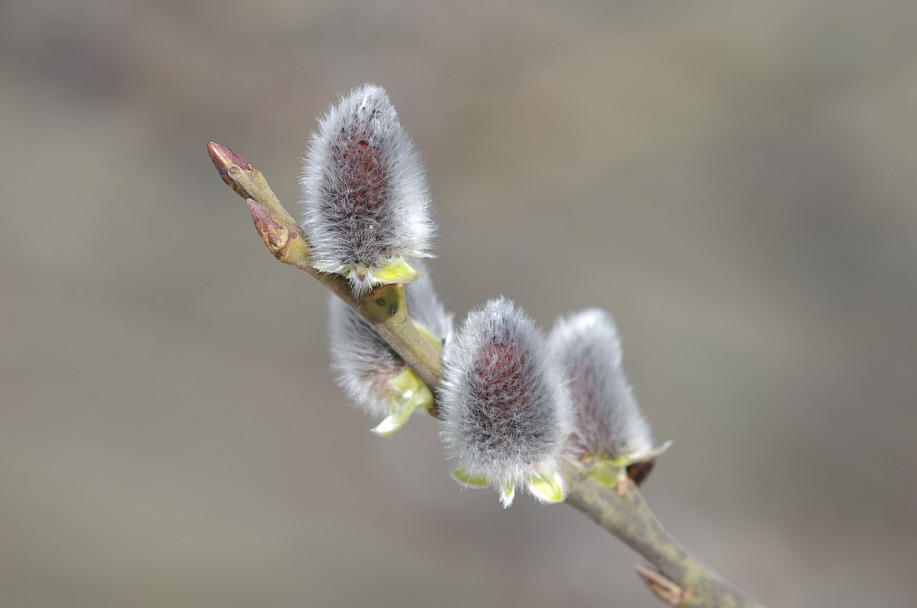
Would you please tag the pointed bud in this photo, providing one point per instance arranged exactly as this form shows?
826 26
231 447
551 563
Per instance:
374 377
505 409
226 160
611 429
275 236
365 200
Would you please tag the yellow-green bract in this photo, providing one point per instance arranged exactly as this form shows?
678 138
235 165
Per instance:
374 377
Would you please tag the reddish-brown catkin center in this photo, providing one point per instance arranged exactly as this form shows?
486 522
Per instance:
504 416
364 184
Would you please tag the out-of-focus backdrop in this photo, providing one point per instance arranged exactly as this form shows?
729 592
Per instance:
734 181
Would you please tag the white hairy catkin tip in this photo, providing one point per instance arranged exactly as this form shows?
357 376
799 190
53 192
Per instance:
363 363
365 198
608 419
505 409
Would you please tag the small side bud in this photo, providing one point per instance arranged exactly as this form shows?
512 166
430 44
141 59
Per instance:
365 199
374 377
612 432
506 412
275 237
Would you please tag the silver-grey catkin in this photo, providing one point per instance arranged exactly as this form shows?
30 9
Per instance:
365 198
503 402
609 421
364 363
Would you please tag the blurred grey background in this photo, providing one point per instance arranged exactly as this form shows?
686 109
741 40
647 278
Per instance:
735 181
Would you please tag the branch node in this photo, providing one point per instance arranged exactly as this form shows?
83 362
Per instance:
662 586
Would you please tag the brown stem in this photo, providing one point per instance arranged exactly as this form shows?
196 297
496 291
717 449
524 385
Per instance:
627 516
678 578
383 307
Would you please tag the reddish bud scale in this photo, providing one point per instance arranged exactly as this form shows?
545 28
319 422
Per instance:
225 160
275 236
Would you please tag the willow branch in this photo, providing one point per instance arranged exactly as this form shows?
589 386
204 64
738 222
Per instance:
383 307
677 577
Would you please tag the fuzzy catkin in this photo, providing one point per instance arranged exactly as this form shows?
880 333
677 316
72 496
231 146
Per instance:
362 361
504 406
609 421
424 306
365 198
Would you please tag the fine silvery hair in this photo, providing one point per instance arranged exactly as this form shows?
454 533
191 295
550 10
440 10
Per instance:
365 198
364 363
503 402
609 421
